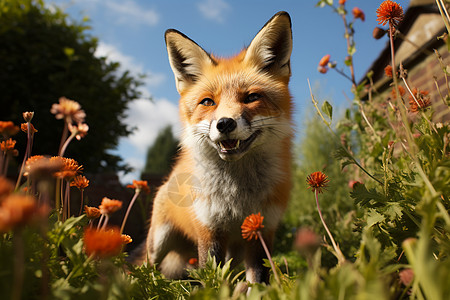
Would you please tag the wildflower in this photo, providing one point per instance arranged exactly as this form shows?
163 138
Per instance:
401 91
7 128
80 130
378 33
92 212
139 185
420 101
8 147
126 239
80 182
27 116
41 166
358 14
324 61
70 168
342 2
252 224
69 110
17 210
306 241
406 276
193 261
389 11
322 70
317 181
388 71
109 206
24 128
102 243
6 187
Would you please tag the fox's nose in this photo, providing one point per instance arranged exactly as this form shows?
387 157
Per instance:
226 125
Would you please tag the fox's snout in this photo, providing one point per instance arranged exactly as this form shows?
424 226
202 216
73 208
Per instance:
226 125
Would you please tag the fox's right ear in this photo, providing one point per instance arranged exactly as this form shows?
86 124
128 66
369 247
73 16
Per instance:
186 58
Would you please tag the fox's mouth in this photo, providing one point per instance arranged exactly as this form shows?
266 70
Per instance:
235 146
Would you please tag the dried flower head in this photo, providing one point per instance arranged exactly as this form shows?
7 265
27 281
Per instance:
251 225
24 128
69 110
317 181
109 206
126 239
358 14
17 210
92 212
80 130
70 168
420 101
389 11
139 185
8 147
7 128
6 187
103 243
378 33
28 116
80 182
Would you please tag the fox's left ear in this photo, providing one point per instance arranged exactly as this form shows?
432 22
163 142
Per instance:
271 48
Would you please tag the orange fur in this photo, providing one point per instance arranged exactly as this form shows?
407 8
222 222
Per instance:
236 152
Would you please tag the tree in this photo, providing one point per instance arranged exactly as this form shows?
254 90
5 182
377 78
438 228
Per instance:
43 56
160 156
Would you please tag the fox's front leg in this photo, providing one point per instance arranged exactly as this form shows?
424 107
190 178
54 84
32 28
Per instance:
212 242
254 256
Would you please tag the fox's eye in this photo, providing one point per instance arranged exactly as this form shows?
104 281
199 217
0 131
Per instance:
252 97
208 102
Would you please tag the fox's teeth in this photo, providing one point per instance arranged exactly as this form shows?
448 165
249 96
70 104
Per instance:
223 147
237 144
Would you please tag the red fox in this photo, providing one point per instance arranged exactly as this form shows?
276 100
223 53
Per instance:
235 156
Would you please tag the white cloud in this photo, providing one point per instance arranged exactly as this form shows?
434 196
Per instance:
129 63
129 12
214 9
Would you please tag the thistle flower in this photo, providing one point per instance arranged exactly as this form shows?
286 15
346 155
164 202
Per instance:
109 206
8 147
80 130
139 185
389 12
252 224
80 182
358 14
420 101
24 128
69 110
102 243
92 212
317 181
7 128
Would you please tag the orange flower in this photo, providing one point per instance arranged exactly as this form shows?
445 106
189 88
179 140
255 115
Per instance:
391 12
193 261
324 61
6 187
80 182
17 210
28 115
109 206
80 130
92 212
126 239
421 101
41 166
69 110
342 2
7 128
103 243
8 147
388 71
139 185
358 14
70 168
401 90
252 224
24 128
317 181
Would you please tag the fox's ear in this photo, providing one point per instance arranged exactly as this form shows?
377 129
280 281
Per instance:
271 48
186 58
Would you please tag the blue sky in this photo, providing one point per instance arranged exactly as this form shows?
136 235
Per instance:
132 33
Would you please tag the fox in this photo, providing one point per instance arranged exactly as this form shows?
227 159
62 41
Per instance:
235 153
